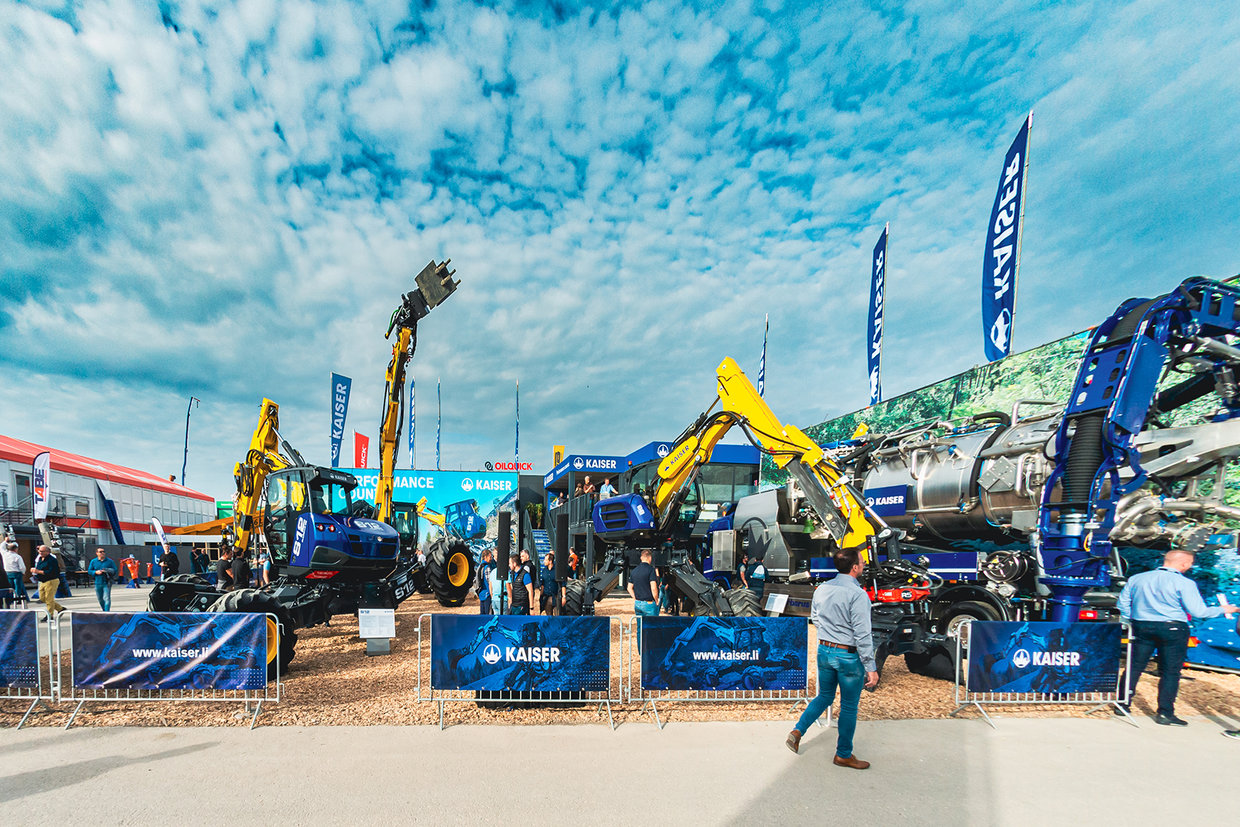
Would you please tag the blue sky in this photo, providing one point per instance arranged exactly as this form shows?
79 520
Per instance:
227 200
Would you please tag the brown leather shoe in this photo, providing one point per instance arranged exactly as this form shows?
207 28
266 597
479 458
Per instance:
851 761
794 741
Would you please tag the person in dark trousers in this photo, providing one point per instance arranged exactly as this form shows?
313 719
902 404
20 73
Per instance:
169 563
240 571
1158 605
840 614
104 571
552 589
520 588
15 569
644 587
199 562
483 583
46 572
223 570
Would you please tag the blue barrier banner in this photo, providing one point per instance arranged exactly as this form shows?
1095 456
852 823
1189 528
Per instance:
724 653
19 649
874 324
1002 260
173 650
1047 658
521 652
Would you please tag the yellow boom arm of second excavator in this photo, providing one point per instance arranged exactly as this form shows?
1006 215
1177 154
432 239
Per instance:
840 509
261 459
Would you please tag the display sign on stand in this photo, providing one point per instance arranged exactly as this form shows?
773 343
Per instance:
377 627
1044 658
19 649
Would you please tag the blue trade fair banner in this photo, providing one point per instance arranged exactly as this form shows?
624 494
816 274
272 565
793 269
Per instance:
725 653
1049 658
999 270
874 339
520 652
19 649
340 412
169 650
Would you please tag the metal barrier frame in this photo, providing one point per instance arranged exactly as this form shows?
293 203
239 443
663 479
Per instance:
425 692
44 692
1100 700
68 692
649 697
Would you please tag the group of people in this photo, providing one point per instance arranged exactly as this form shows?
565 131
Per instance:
44 572
526 590
587 487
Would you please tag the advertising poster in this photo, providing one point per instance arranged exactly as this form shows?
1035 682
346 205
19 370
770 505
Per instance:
462 504
742 653
19 649
520 652
1048 658
152 650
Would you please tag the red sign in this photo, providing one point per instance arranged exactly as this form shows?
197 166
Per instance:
361 450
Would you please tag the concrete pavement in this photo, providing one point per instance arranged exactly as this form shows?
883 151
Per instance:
1028 771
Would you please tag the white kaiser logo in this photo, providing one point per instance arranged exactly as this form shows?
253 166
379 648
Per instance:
1001 329
579 463
1020 659
491 654
467 484
663 450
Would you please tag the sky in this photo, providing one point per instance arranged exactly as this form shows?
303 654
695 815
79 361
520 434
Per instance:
227 200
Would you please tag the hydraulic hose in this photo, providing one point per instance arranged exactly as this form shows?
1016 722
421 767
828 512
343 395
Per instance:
1084 460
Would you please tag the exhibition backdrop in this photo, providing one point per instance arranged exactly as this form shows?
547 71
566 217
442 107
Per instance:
454 494
19 649
520 652
154 650
1045 658
724 653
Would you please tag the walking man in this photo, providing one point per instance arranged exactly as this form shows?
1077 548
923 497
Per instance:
841 617
644 587
1158 605
46 573
15 570
104 571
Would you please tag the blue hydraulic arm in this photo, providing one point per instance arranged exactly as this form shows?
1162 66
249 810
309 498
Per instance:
1115 395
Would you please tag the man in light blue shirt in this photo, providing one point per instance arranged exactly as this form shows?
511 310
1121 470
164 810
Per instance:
841 617
1159 604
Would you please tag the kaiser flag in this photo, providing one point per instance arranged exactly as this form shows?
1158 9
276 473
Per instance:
361 450
1002 260
874 339
413 403
40 473
762 365
340 410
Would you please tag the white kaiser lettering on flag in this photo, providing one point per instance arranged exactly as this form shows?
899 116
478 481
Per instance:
874 339
766 327
340 412
1002 261
40 475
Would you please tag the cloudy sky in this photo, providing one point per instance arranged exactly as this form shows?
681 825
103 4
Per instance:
226 200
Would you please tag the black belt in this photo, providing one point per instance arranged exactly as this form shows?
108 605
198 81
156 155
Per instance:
831 645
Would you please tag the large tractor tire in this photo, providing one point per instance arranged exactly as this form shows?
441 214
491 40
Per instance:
450 570
576 599
744 603
193 579
281 639
938 663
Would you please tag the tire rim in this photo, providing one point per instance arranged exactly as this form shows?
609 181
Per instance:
273 640
458 569
953 625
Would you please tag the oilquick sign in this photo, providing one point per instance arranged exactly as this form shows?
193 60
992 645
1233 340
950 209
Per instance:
1043 658
154 650
512 652
509 466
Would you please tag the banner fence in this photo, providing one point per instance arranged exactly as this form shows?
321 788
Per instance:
23 676
519 659
1041 663
219 657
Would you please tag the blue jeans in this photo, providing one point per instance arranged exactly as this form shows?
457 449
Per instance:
645 608
103 593
484 605
837 667
18 586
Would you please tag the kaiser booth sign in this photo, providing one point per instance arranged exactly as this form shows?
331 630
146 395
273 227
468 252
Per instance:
586 464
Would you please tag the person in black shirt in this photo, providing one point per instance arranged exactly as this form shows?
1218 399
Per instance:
199 562
46 572
240 571
520 588
223 570
169 563
643 587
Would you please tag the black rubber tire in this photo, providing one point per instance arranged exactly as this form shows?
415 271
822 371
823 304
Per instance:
576 600
937 663
744 603
195 579
253 600
450 571
970 608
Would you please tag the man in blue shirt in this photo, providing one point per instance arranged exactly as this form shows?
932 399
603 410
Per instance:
1159 604
841 617
104 571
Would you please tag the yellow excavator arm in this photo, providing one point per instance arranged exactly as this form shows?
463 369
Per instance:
261 459
840 509
434 285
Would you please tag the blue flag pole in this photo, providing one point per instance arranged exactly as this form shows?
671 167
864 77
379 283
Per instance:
762 364
516 448
439 421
